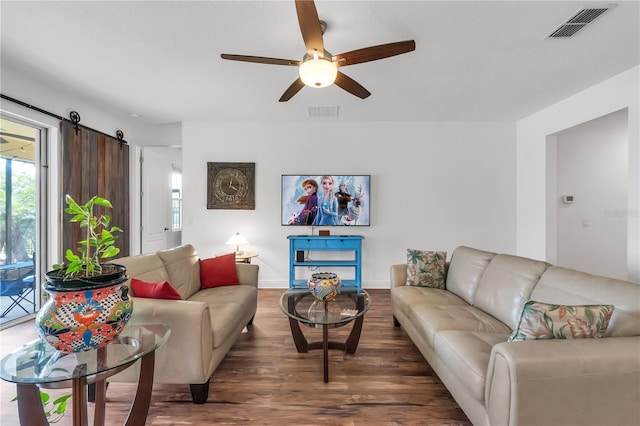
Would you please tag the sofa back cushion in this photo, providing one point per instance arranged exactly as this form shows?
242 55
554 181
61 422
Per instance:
183 267
506 286
569 287
465 270
145 267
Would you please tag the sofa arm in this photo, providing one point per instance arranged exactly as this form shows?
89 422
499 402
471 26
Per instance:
190 323
568 382
398 275
247 274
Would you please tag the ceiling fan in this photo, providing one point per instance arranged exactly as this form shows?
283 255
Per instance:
318 68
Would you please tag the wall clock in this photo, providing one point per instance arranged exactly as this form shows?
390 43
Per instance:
231 186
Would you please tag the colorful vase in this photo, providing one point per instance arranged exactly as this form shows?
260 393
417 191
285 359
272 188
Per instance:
324 285
84 318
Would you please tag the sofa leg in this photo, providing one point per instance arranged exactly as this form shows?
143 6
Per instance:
396 323
250 323
200 392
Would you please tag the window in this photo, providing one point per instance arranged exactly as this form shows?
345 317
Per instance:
20 242
176 200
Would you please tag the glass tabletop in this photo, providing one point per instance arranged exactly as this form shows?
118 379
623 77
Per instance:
38 362
301 305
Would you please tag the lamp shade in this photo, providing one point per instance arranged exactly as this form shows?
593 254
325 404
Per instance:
318 72
236 240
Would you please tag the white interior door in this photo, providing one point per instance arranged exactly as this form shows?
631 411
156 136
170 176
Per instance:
155 201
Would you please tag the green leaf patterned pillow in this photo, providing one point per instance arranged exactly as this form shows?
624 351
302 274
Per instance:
547 321
426 268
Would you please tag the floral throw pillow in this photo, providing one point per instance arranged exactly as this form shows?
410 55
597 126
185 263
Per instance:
426 268
547 321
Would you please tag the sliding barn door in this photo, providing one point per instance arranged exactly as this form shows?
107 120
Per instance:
94 164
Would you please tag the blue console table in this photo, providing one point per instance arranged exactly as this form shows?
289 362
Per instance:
333 243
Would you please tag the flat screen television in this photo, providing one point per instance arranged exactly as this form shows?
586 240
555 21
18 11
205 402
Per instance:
325 200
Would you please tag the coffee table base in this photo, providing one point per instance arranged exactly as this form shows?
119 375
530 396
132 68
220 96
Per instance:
350 346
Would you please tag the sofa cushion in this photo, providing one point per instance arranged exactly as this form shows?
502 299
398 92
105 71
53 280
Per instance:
465 270
218 271
569 287
405 296
145 267
466 354
426 268
227 305
159 290
546 321
431 319
183 268
506 285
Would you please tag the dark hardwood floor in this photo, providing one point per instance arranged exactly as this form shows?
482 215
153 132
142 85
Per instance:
265 381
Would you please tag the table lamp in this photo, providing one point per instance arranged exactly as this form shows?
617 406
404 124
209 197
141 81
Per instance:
236 240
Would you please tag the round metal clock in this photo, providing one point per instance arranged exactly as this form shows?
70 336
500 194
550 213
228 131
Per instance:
230 185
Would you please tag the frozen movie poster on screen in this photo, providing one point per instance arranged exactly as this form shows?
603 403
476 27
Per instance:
325 200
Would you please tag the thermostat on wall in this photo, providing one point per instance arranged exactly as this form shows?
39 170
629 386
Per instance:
567 199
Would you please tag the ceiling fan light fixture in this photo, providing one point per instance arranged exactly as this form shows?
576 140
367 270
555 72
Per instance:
318 72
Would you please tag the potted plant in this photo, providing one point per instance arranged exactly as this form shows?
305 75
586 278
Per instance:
86 268
89 304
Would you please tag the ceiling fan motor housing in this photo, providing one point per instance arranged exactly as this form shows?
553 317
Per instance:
318 71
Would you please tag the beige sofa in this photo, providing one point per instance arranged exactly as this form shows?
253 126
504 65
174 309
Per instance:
462 332
204 325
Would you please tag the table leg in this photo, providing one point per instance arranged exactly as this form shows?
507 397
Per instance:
298 337
100 402
99 391
140 407
79 400
354 336
325 351
30 410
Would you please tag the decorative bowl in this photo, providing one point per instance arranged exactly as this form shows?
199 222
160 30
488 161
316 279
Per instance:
324 285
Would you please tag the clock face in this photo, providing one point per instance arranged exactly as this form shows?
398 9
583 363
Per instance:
231 186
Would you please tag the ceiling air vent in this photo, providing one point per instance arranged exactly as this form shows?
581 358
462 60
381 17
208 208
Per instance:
578 21
323 111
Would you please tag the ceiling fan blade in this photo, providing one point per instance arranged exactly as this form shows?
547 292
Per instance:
260 59
310 26
292 90
351 86
374 53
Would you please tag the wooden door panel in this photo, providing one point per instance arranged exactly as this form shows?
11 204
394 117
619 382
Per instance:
94 164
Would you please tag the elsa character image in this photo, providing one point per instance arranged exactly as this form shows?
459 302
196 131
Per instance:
328 204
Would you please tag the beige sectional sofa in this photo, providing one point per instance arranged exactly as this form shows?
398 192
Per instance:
204 325
463 331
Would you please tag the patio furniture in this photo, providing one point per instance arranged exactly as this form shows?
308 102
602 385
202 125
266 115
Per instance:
18 283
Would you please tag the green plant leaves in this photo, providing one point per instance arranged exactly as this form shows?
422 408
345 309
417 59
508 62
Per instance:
98 237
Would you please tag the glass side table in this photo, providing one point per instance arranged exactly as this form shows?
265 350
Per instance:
302 307
36 364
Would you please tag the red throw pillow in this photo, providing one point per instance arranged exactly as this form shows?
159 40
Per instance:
218 271
162 290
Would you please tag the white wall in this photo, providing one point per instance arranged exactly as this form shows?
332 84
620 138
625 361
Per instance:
433 186
614 94
592 167
48 96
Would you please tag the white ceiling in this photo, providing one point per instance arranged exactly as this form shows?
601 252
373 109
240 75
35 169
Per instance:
474 60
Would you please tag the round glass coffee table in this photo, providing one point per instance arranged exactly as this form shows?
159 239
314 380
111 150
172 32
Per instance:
302 307
36 364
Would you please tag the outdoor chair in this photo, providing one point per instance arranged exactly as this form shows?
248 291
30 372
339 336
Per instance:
19 286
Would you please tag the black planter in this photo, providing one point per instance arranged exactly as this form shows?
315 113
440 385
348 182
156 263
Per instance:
57 282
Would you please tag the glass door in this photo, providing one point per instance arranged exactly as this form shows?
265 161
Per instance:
19 207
